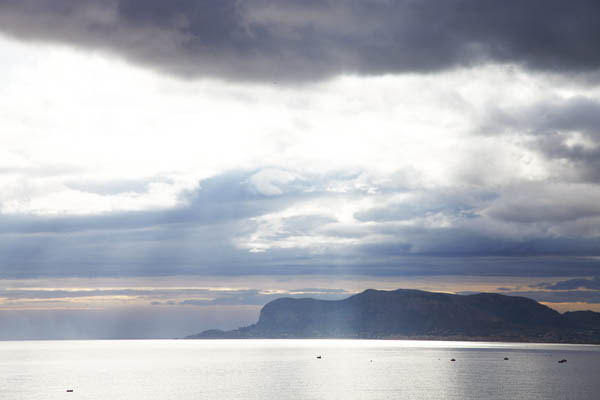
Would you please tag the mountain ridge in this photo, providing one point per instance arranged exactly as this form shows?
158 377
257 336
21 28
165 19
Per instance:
410 313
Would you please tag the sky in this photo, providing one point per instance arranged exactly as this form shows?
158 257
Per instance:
171 166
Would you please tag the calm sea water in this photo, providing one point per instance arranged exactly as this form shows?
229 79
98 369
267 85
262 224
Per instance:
289 369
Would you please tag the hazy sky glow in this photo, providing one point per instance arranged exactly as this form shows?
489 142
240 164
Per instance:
167 168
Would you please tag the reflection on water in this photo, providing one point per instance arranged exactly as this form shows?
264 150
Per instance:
289 369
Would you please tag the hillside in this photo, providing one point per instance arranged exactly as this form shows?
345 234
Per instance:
418 314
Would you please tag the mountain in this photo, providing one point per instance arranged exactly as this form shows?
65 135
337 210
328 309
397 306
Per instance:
418 314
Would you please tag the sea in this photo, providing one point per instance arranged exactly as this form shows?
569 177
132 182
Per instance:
295 369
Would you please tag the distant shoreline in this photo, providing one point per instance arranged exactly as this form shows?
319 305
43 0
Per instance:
391 339
404 338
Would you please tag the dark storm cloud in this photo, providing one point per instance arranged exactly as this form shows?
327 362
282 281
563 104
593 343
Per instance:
302 40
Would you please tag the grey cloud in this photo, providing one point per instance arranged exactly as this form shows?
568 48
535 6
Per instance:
202 236
194 302
304 224
576 113
164 296
257 297
584 163
458 203
163 303
218 199
570 284
551 125
464 242
158 293
61 294
386 248
542 209
546 203
345 231
518 220
397 212
197 236
301 40
592 297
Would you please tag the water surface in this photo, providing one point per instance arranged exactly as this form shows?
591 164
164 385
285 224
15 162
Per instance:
289 369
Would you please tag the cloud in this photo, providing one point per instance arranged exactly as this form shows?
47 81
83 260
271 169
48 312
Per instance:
561 128
192 237
310 230
591 297
546 203
158 296
220 198
111 187
428 192
15 294
419 203
272 182
194 302
260 297
296 40
348 138
569 284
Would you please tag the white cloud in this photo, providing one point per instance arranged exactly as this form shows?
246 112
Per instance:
70 115
271 182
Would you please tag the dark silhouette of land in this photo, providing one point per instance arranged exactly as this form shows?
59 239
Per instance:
416 314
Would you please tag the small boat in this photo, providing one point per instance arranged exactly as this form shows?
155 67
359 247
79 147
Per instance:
562 361
505 358
69 390
319 357
453 359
